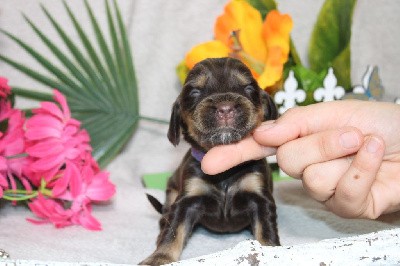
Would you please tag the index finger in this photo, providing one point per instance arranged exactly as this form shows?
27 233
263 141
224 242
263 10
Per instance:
222 158
303 121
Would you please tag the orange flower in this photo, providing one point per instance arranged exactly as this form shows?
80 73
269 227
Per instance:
241 33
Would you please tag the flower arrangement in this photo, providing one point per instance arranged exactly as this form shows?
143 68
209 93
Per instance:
241 33
47 160
255 32
95 73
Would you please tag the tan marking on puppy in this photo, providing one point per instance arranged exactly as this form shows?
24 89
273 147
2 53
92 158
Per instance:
252 183
258 233
174 248
200 81
243 79
168 252
171 197
197 187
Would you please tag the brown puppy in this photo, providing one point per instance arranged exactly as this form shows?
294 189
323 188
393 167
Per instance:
220 103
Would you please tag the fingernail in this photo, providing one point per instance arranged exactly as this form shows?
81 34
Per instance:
373 145
266 125
349 140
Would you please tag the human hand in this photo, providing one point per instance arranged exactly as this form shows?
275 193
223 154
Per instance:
347 154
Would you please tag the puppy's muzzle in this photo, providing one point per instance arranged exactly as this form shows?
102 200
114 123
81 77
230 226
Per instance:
226 113
223 119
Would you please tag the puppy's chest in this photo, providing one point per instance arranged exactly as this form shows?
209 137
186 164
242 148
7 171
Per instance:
226 189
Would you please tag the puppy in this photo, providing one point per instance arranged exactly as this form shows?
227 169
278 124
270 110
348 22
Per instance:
220 104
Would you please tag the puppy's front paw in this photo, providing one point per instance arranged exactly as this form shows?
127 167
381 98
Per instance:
157 259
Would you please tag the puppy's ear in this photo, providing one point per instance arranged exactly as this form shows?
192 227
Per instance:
269 106
174 131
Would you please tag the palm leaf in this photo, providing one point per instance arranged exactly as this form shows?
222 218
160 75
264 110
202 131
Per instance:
100 84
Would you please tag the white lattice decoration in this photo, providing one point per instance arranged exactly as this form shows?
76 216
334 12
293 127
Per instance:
290 94
330 91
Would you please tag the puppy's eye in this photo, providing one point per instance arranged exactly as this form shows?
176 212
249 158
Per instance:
195 93
249 89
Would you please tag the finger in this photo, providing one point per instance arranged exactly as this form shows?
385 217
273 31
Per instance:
296 155
303 121
353 196
320 180
222 158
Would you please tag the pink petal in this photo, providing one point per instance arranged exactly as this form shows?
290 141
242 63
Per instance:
100 189
86 219
42 120
52 109
50 211
63 102
42 133
3 181
72 153
47 163
76 180
3 163
38 207
44 148
61 184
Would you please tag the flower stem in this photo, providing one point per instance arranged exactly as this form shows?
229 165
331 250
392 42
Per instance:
151 119
16 156
22 195
19 195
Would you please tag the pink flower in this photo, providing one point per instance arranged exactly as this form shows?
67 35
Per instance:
82 209
3 174
5 109
53 138
50 211
93 184
53 211
5 90
12 144
57 162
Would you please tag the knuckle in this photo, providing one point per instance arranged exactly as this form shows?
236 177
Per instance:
316 183
287 162
325 148
312 179
362 167
290 112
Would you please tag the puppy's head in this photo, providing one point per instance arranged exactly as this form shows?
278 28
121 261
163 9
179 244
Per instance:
220 103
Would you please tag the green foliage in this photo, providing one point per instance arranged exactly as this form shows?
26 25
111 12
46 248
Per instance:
182 71
98 79
330 40
264 6
309 81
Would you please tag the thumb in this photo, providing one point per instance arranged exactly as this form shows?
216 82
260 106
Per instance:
353 195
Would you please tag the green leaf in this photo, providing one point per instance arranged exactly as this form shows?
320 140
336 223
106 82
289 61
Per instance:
182 71
32 94
341 66
309 81
330 39
264 6
98 81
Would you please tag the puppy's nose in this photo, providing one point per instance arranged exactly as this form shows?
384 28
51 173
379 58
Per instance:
226 112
